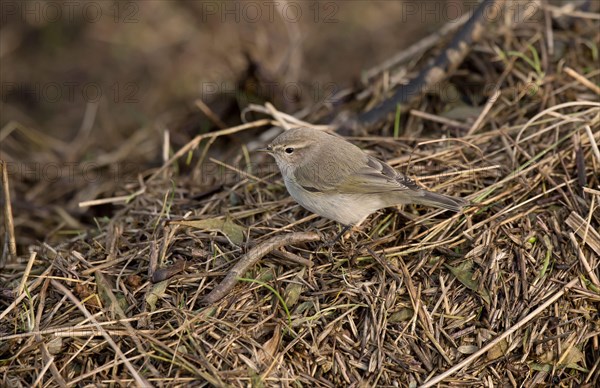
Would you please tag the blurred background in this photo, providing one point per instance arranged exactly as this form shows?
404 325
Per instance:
138 61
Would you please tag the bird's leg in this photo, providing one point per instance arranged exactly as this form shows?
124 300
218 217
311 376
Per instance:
331 243
388 267
381 259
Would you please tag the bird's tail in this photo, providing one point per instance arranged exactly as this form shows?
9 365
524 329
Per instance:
442 201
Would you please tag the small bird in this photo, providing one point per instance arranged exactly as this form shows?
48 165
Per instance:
335 179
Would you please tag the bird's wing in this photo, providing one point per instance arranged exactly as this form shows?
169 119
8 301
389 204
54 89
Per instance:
330 172
376 177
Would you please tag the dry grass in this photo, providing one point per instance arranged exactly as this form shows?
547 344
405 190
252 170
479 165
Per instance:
504 294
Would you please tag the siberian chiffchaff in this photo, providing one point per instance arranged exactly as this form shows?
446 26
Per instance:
335 179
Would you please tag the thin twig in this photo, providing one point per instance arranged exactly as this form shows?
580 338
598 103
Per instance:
250 258
582 80
210 114
9 223
486 109
583 260
26 272
593 143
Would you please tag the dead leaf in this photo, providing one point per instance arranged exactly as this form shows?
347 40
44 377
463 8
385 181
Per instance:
462 112
108 297
55 345
230 229
294 290
158 290
574 356
133 281
467 349
269 348
86 295
464 275
498 350
402 315
165 273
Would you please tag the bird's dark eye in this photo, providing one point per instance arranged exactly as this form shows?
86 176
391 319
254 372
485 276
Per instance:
289 150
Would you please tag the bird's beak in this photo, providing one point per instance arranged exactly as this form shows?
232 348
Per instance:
266 149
